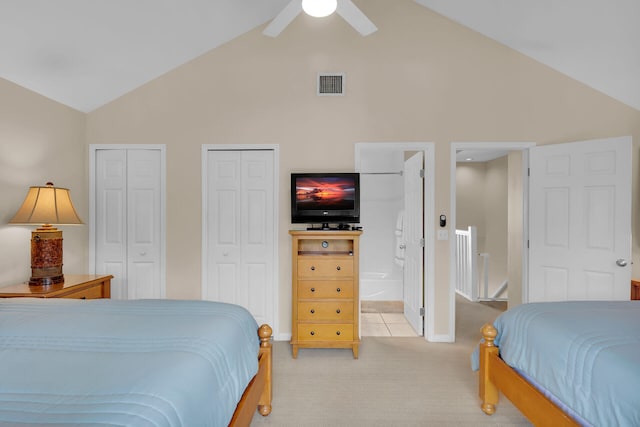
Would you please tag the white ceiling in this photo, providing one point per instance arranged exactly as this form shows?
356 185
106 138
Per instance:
85 54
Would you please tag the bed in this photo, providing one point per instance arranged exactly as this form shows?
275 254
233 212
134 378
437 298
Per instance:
138 362
565 363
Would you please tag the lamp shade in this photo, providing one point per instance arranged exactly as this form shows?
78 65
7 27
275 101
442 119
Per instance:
319 8
47 205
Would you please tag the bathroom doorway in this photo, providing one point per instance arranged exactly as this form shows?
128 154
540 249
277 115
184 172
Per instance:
384 289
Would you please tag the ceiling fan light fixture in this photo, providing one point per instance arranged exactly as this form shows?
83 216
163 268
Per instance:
319 8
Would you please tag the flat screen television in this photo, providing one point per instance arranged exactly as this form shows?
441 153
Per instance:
325 198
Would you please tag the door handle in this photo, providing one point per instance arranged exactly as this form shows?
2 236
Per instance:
621 262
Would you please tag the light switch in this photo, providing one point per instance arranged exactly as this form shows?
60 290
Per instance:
443 234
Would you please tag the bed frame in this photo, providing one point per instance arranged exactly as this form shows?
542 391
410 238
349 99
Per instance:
496 376
258 392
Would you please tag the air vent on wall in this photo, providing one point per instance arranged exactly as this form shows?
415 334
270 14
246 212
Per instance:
330 84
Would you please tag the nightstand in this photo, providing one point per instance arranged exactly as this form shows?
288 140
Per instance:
635 289
81 286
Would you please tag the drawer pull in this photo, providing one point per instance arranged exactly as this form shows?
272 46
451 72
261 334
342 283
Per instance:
338 311
338 268
313 268
338 333
312 311
312 333
338 290
313 289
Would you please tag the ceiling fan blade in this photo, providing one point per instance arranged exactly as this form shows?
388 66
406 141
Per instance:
355 17
283 19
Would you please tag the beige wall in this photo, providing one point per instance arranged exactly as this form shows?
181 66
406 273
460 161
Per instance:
470 188
40 141
419 78
497 224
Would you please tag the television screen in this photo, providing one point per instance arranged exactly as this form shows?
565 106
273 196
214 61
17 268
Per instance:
325 198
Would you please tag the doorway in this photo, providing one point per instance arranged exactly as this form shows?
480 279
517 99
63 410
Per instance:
383 288
511 160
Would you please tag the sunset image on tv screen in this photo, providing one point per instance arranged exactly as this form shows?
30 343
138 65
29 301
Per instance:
325 193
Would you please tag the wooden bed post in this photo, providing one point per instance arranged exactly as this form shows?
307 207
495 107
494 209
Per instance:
264 404
496 376
258 392
488 390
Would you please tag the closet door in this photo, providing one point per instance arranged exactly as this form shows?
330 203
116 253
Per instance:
240 230
111 218
128 214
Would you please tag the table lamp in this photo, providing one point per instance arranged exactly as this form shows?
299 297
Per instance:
46 205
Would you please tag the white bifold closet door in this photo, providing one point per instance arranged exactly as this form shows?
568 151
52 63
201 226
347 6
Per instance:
240 230
128 229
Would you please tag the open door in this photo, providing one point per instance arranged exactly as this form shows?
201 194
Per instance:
580 221
413 273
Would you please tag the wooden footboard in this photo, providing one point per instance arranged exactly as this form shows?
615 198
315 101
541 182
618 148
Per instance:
496 376
258 392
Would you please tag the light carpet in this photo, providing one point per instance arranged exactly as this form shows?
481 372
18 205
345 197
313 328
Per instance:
395 382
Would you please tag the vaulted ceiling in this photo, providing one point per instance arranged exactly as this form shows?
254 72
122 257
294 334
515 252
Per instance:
85 54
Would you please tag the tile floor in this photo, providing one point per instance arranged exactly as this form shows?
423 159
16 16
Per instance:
384 319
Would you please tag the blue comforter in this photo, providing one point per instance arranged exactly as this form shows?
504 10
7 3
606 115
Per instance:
586 354
123 363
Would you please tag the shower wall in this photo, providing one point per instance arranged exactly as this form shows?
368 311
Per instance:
381 202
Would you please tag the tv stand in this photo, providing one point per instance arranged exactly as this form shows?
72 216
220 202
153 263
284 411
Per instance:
325 290
326 227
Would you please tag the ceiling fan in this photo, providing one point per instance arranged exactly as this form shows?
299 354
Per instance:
344 8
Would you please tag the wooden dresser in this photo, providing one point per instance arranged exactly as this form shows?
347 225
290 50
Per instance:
325 288
82 286
635 289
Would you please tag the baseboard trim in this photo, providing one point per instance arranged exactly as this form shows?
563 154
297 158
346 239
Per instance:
440 338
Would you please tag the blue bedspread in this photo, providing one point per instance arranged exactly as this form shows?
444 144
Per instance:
586 354
123 363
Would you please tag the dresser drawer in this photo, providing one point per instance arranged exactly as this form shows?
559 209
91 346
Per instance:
325 267
325 332
325 289
89 293
341 311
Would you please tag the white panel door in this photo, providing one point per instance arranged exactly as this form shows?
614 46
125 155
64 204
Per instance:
580 221
413 273
111 217
241 230
128 242
143 224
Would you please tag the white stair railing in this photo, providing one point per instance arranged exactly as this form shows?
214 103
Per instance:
466 263
468 282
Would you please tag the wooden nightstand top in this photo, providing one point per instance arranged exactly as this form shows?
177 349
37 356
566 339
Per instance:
74 286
